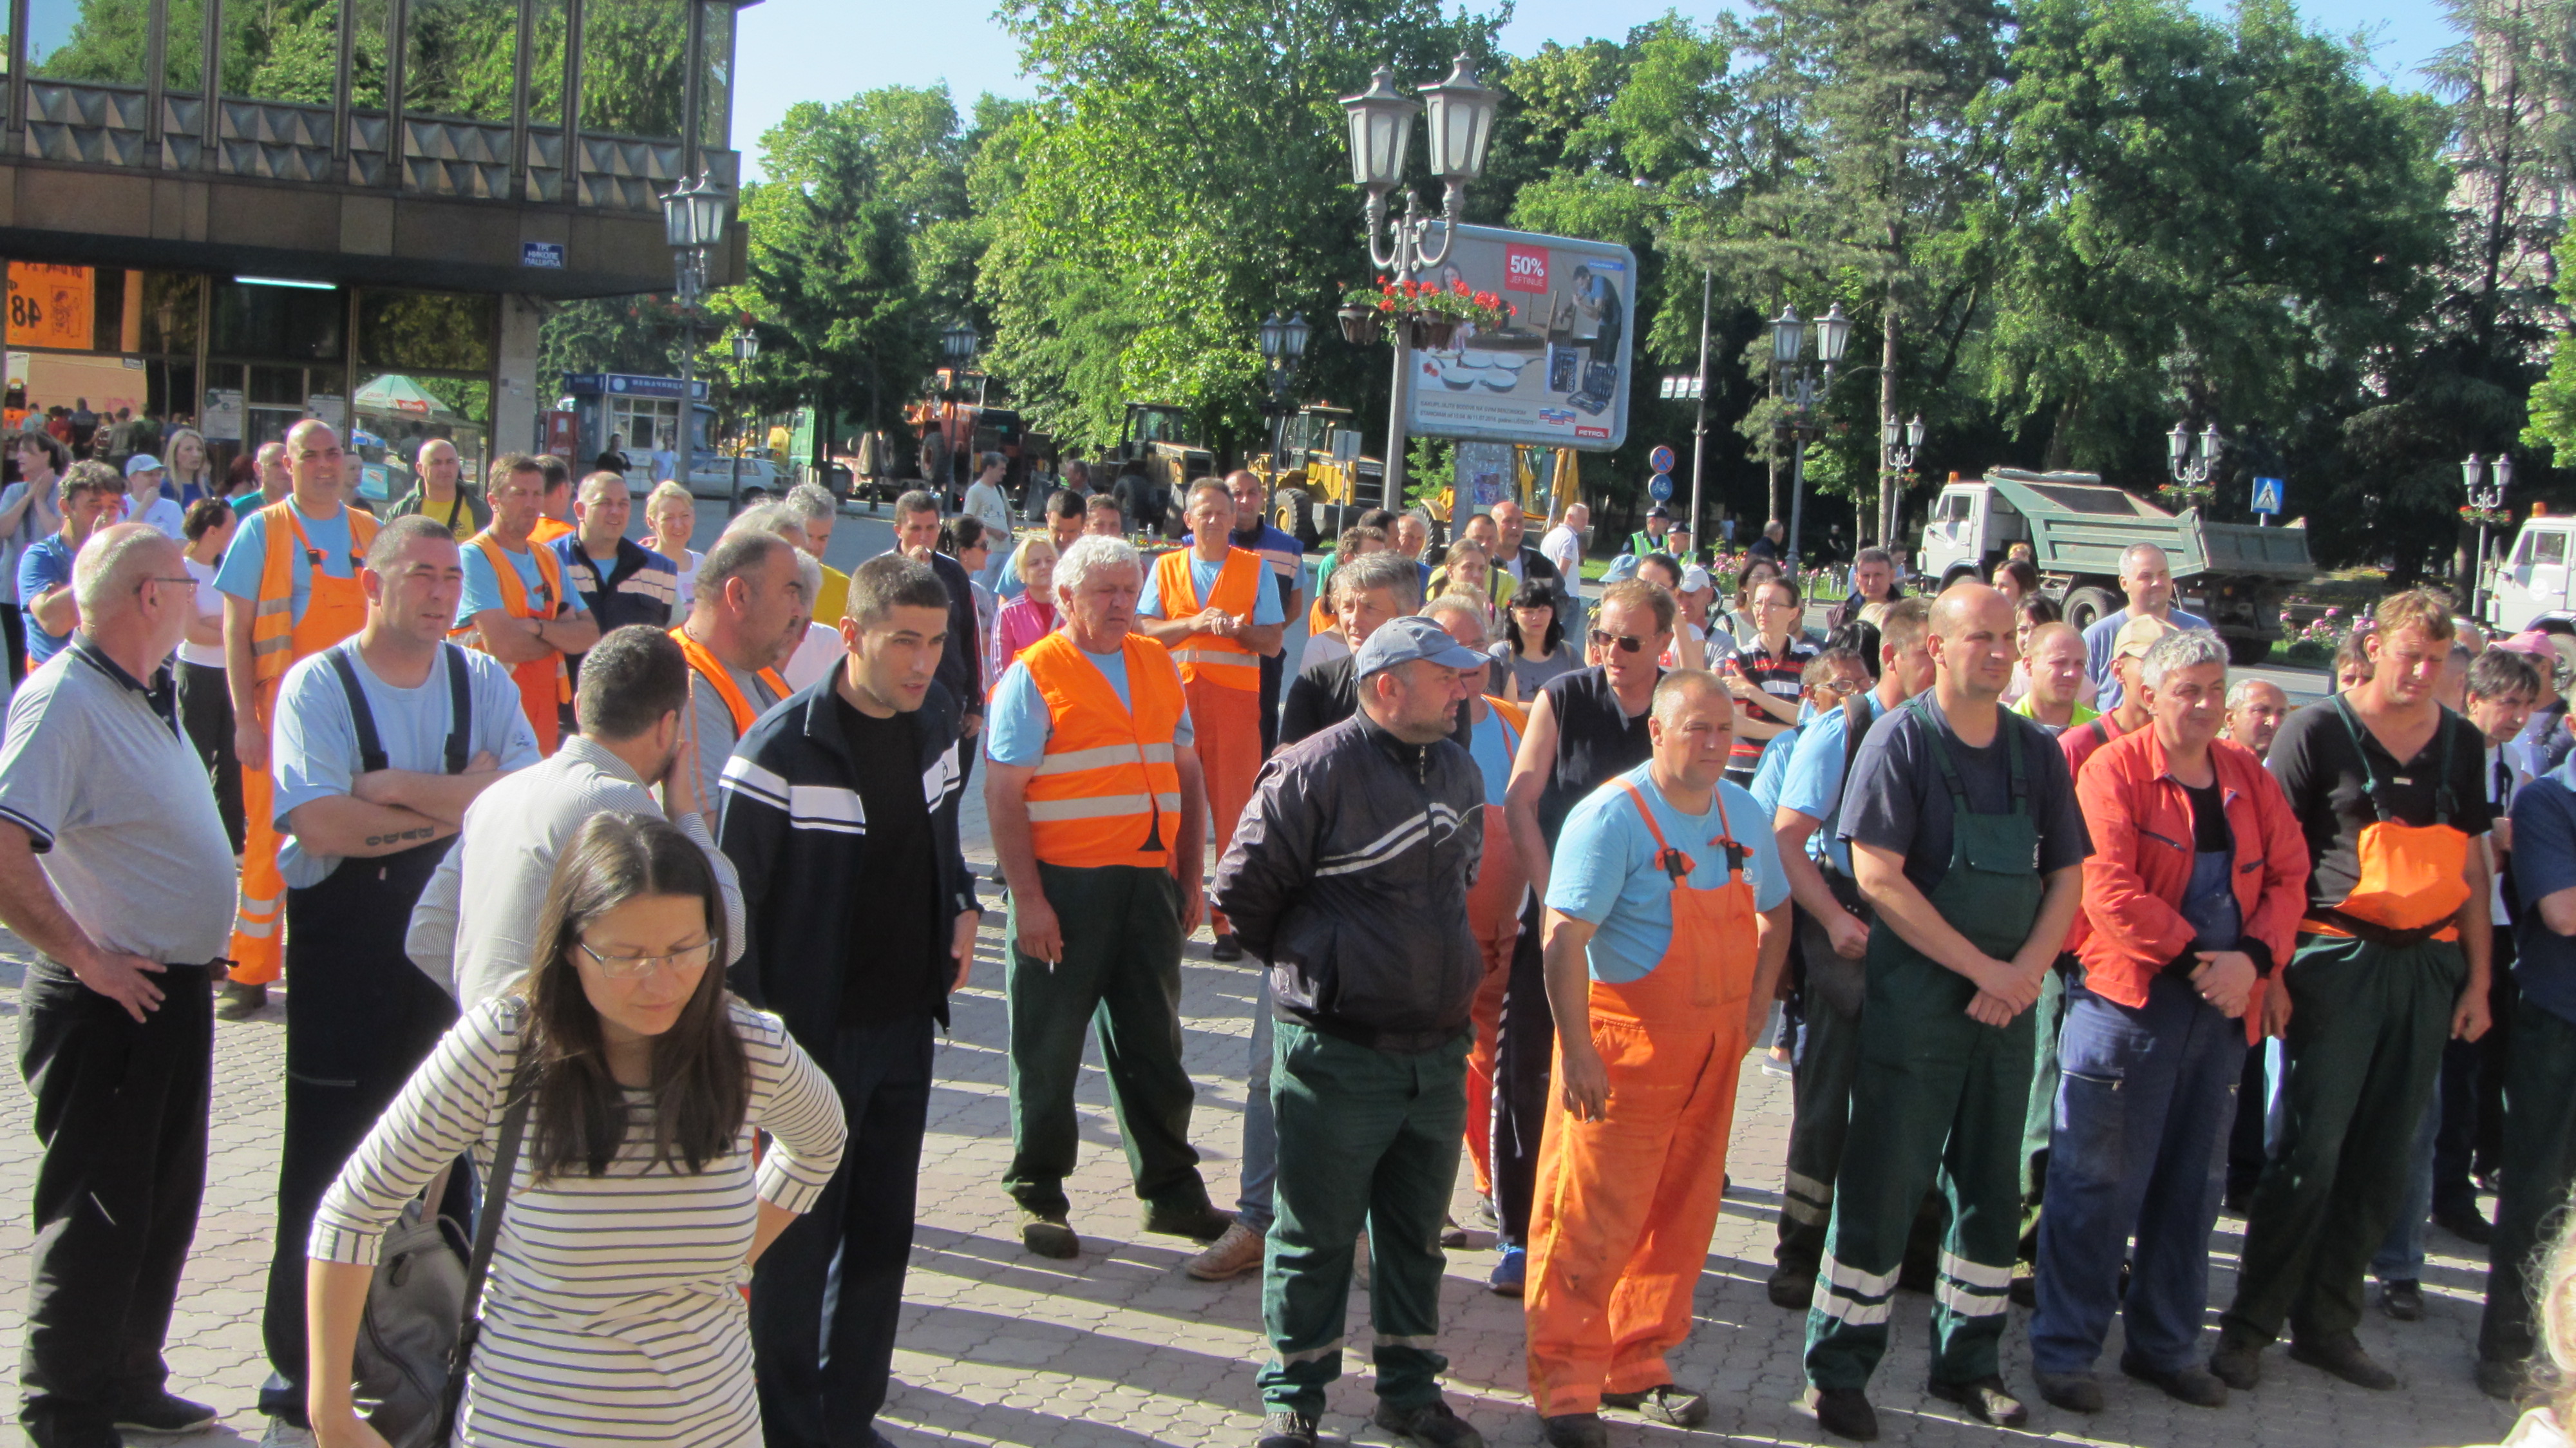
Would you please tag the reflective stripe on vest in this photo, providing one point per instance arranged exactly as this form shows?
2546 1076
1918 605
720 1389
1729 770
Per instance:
1206 658
712 669
272 621
514 602
1107 791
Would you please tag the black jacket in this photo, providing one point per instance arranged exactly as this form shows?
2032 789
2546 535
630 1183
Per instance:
1349 875
1327 693
788 828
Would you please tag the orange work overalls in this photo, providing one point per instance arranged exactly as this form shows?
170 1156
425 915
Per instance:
545 685
1625 1205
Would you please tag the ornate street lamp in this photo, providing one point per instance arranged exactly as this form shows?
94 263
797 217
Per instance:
2486 509
958 344
1802 388
693 223
1461 113
746 348
1283 347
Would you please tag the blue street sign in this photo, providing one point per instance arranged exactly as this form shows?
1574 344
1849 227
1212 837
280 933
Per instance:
1660 487
1661 459
2267 495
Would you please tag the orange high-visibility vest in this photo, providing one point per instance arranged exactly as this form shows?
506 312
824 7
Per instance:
545 685
1107 791
1205 658
712 669
272 622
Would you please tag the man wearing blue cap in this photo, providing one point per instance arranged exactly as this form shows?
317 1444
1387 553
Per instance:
1349 876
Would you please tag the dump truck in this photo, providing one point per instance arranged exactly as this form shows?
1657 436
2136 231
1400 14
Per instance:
2232 574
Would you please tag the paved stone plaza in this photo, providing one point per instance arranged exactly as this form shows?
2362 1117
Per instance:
1120 1348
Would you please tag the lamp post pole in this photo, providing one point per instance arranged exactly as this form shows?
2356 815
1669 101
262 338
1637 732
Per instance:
693 224
1461 111
2486 500
746 347
1898 442
1801 386
2192 460
958 345
1699 423
1283 345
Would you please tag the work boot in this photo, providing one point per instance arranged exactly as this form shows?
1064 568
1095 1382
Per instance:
2500 1380
1574 1430
2340 1354
2238 1360
164 1412
1844 1412
2465 1223
2402 1299
1793 1286
2075 1392
237 1000
1432 1424
1232 1255
1451 1234
1663 1403
1198 1221
1048 1234
1286 1430
1511 1271
1226 948
2191 1384
1986 1400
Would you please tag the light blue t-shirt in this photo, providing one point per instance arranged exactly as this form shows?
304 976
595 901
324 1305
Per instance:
1203 576
1016 722
47 563
247 557
2099 641
1492 746
1605 872
1813 783
483 586
316 748
1772 770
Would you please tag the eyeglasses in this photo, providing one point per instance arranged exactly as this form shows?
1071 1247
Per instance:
1838 686
636 967
1628 643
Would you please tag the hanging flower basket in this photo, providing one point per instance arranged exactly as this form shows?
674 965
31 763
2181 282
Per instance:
1426 315
1360 325
1428 334
2486 515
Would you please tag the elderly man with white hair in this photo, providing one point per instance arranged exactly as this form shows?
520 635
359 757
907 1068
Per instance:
115 868
1098 816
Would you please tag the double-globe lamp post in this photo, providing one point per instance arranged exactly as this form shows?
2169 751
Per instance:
2486 504
1381 131
2192 464
1283 346
693 223
746 349
1801 387
957 347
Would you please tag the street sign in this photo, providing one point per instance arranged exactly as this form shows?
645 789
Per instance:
548 255
1660 487
1661 459
2267 495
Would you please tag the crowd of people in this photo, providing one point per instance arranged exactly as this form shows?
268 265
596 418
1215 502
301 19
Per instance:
619 894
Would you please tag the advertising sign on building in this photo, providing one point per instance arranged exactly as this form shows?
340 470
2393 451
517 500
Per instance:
222 419
1556 374
51 305
563 434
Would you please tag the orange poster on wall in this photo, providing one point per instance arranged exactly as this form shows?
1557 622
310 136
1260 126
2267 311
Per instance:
51 305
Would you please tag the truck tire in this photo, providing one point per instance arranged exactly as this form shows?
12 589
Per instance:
2086 607
2247 651
1296 513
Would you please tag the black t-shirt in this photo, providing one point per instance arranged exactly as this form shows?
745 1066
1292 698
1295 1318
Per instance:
1597 739
2209 834
1898 800
896 897
2321 771
1325 694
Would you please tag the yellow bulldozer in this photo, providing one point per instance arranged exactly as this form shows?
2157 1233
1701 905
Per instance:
1318 478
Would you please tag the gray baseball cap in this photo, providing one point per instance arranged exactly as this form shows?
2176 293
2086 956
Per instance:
1402 640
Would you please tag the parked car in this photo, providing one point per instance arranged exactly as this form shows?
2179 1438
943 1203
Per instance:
716 477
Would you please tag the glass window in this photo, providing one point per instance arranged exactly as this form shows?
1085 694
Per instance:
435 331
92 40
399 414
2549 549
546 64
634 55
289 50
296 322
183 55
715 82
460 58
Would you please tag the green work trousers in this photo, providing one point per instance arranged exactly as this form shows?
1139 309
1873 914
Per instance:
2367 1023
1938 1100
1122 969
2048 1018
1365 1137
2539 1162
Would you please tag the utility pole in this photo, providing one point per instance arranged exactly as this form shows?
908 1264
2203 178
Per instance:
1699 426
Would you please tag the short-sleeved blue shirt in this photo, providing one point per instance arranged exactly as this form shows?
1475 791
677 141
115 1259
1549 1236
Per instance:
2544 862
1016 722
47 563
1605 872
1493 744
1266 608
1772 770
247 557
483 586
1813 784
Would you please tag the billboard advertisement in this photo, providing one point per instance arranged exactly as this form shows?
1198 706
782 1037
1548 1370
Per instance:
1556 375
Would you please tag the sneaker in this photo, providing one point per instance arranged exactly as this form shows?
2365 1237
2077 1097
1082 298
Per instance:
1985 1399
1574 1430
2502 1381
1775 1064
2075 1392
1432 1425
2191 1383
164 1412
1231 1255
1663 1403
1226 948
1793 1286
2465 1223
2238 1360
1511 1271
1048 1234
1486 1216
2341 1355
236 1000
1286 1430
1197 1221
1843 1412
2402 1299
283 1434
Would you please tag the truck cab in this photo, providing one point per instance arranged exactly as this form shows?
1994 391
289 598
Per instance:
2531 585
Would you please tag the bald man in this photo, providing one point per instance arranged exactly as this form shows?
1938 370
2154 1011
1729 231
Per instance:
2147 578
1966 838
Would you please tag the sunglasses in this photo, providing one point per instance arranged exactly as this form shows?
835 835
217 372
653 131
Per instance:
1628 644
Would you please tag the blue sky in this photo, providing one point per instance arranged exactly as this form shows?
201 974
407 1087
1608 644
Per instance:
792 50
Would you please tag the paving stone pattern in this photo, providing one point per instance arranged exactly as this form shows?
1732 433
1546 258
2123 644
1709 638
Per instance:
1119 1348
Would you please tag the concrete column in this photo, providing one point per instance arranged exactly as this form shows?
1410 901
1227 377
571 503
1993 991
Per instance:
521 393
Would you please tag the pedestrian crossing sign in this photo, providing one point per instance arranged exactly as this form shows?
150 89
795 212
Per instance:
2267 495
